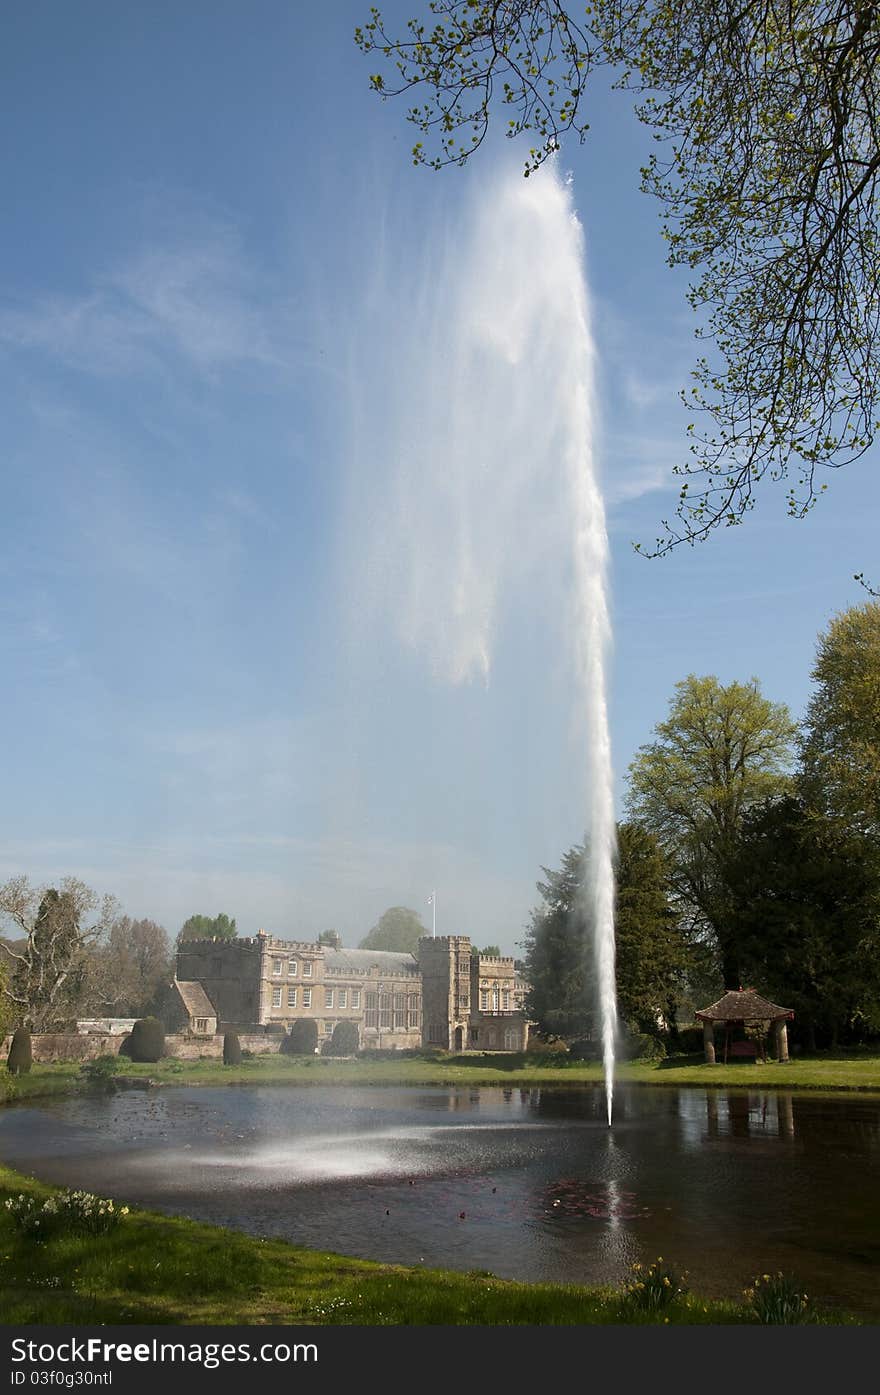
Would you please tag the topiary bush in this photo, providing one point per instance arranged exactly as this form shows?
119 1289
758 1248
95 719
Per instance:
147 1040
302 1038
20 1058
344 1041
231 1049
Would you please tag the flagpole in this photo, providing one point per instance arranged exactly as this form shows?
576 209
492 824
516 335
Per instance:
434 915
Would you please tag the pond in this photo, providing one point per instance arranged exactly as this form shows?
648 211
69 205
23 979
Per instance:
527 1183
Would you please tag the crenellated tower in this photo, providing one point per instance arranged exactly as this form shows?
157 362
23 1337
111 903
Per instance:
445 964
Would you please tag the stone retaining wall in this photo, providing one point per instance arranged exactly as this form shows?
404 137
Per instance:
71 1046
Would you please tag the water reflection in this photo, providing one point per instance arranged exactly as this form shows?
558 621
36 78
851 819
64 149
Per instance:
715 1114
526 1182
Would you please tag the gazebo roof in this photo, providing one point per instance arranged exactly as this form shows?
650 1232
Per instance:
744 1006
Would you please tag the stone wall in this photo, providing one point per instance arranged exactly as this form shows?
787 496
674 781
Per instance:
67 1046
70 1046
229 971
187 1048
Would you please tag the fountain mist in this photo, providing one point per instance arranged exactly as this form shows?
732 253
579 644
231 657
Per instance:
496 489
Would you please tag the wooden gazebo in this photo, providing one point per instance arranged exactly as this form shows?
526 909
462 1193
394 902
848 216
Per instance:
736 1009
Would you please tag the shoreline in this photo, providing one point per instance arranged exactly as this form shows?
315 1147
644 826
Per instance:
152 1268
830 1075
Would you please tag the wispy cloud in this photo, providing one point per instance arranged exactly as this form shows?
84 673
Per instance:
194 299
637 465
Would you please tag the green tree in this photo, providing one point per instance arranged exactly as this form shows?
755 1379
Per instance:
721 750
490 951
50 969
560 958
398 929
652 955
561 997
766 115
203 927
841 741
806 894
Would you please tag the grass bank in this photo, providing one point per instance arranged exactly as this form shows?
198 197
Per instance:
158 1269
857 1072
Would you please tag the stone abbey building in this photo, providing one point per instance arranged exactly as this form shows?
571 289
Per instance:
446 995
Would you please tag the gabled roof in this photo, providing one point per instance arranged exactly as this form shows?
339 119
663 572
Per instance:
195 999
743 1006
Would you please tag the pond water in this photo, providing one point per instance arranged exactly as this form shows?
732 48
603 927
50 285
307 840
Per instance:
527 1183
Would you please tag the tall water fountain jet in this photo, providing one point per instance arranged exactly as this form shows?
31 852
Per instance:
593 631
496 496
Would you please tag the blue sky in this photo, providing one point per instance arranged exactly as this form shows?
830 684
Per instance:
214 248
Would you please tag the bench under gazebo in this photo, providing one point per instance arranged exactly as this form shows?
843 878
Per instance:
741 1009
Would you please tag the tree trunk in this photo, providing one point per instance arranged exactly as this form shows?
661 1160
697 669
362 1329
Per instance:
730 967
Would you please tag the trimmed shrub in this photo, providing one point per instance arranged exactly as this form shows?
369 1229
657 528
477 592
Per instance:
344 1041
302 1038
147 1040
20 1058
231 1049
585 1049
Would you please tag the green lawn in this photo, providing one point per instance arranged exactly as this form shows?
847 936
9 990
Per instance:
826 1072
156 1269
